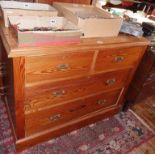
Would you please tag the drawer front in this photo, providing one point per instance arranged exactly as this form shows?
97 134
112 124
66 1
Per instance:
36 101
54 67
40 121
117 58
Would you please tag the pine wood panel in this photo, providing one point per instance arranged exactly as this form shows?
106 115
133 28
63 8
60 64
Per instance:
117 58
27 142
67 91
19 93
54 67
43 79
43 120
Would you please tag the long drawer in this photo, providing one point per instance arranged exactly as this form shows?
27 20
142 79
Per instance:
57 66
53 117
117 58
40 98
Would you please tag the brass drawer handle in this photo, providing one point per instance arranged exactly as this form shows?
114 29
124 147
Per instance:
101 102
110 82
63 67
55 117
119 59
59 93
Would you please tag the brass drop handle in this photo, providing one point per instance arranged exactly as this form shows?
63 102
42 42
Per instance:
119 59
63 67
55 117
101 102
110 82
59 93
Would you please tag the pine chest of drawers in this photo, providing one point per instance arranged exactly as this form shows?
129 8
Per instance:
53 90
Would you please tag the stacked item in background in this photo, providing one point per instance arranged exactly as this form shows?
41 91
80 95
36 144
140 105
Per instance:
14 8
92 21
35 24
38 31
143 83
132 23
76 21
132 28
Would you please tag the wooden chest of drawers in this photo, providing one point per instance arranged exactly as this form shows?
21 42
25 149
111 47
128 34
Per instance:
53 90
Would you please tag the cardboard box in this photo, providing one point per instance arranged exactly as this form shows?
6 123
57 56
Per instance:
92 21
40 31
14 8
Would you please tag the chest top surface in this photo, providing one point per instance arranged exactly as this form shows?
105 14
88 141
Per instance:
85 44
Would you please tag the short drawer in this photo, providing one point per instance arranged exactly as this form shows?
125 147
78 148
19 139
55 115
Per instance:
117 58
41 98
58 66
59 115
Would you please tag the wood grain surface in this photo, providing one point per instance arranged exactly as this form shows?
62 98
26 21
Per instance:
37 99
52 117
101 43
19 94
52 67
57 89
